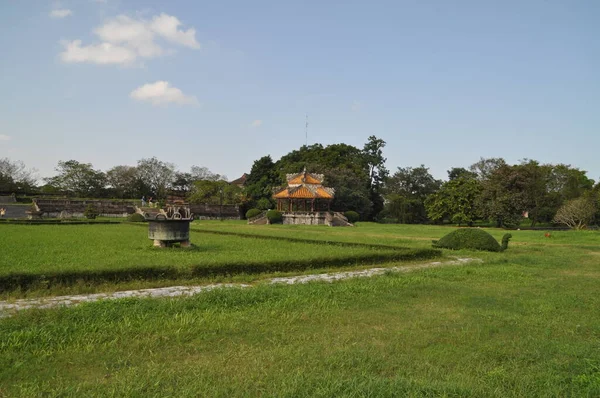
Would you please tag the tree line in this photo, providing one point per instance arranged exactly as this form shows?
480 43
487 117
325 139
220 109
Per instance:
489 190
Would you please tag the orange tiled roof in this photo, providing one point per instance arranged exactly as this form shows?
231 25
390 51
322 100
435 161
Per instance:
305 186
303 178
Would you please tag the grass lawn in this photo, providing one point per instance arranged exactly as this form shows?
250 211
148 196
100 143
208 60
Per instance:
43 256
525 322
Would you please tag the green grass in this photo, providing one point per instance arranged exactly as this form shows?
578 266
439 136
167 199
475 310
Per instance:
523 323
42 256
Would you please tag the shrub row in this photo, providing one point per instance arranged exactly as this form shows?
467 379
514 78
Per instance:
253 213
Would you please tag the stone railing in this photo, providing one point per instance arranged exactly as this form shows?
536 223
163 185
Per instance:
214 212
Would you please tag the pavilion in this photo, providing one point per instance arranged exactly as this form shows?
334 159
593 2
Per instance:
304 192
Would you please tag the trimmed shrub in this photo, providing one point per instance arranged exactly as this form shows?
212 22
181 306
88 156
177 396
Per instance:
472 238
264 204
352 216
274 217
136 217
253 213
90 212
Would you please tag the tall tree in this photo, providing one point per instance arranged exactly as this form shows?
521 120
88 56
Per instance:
200 173
407 190
216 192
504 198
183 183
15 176
456 200
79 179
124 182
484 168
457 172
157 175
377 172
262 179
351 193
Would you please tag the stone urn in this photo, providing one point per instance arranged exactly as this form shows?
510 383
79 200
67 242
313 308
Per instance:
169 226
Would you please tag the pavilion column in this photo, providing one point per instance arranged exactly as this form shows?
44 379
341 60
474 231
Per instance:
312 205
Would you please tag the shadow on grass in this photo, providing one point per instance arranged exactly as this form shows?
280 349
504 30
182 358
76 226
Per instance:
25 281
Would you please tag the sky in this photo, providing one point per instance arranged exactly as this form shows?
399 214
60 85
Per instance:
221 84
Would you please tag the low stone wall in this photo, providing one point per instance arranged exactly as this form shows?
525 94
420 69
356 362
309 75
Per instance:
64 208
8 199
216 212
15 211
305 218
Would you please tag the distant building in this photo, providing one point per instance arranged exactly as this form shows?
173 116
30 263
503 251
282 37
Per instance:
240 182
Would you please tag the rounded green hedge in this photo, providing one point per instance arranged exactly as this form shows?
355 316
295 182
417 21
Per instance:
253 213
352 216
472 238
136 217
274 217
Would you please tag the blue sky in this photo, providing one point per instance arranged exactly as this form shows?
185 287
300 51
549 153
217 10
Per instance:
220 84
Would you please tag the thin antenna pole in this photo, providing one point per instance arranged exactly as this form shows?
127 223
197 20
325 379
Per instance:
306 131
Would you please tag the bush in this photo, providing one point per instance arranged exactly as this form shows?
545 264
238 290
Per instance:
472 238
90 212
253 213
274 217
264 204
352 216
136 217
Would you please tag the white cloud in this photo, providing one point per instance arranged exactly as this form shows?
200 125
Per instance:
356 106
4 137
103 54
160 93
167 26
124 40
256 123
61 13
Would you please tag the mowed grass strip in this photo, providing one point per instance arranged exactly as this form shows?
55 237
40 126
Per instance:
399 235
65 254
524 323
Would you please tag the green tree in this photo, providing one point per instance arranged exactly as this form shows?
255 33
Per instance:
457 172
455 200
351 193
536 199
16 177
216 192
182 182
124 182
157 175
78 179
377 172
504 197
199 173
484 168
566 182
262 179
414 185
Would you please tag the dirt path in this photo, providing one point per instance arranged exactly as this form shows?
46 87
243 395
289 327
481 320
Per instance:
8 308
